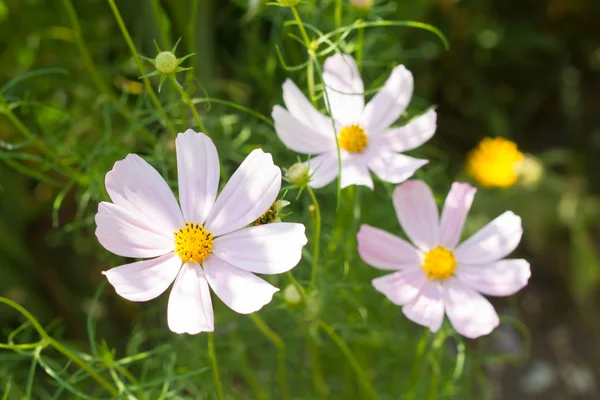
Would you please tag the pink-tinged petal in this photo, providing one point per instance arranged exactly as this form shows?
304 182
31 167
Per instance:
301 108
355 172
468 311
383 250
390 102
252 189
241 290
455 211
427 308
298 136
323 169
394 167
344 88
144 280
198 170
418 213
494 241
136 186
401 287
502 278
129 234
190 307
264 249
409 136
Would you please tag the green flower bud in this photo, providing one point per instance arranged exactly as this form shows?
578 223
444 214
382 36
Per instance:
166 62
291 295
298 174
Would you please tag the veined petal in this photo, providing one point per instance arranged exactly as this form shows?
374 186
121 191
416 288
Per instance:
355 171
455 211
401 287
250 192
427 308
136 186
198 171
301 108
344 88
323 169
264 249
144 280
501 278
418 214
298 136
383 250
129 234
241 290
393 167
390 102
494 241
409 136
468 311
190 307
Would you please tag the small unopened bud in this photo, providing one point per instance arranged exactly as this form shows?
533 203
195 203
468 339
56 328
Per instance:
289 3
530 171
362 4
166 62
291 295
298 174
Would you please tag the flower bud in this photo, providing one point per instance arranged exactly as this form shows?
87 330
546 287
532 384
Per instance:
165 62
291 295
298 174
362 4
530 171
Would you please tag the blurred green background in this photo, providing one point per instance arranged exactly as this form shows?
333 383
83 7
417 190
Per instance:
527 70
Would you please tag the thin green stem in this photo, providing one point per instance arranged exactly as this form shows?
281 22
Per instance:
147 84
315 359
157 11
316 237
215 366
186 99
414 375
310 68
360 42
437 348
301 26
338 14
362 376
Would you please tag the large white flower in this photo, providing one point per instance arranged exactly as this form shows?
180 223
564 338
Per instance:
435 275
366 142
206 242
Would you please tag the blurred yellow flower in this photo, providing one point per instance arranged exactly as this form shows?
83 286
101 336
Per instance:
494 162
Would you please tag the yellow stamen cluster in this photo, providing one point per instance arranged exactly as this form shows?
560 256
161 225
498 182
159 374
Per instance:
193 243
353 139
494 162
439 263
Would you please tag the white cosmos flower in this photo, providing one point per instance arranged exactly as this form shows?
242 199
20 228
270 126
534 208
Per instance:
366 141
206 242
435 275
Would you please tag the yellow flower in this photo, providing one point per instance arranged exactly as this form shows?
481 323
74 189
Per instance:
494 162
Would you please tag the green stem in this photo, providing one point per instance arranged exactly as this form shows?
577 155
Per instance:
437 348
59 347
280 345
301 27
215 365
186 99
417 364
147 84
362 376
338 14
310 68
157 11
360 42
316 237
315 360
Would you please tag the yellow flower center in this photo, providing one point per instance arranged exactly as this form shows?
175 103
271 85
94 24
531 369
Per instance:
494 162
353 139
193 243
439 263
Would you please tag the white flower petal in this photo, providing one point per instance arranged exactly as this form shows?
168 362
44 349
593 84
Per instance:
323 169
301 108
264 249
344 88
501 278
455 211
250 192
409 136
298 136
135 185
129 234
418 214
427 308
494 241
393 167
401 287
355 171
468 311
144 280
198 170
241 290
190 307
389 103
383 250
